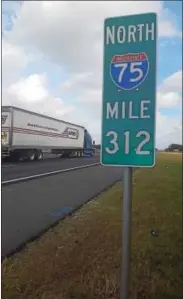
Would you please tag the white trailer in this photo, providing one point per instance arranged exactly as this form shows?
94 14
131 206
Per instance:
26 134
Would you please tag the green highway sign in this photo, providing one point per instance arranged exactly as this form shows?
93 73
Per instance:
129 91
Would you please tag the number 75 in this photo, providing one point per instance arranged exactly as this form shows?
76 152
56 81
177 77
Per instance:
133 69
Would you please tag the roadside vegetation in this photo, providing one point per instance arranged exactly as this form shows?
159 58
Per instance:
80 258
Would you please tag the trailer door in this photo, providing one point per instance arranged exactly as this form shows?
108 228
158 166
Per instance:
5 129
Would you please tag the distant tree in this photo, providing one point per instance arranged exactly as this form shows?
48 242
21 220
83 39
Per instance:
175 147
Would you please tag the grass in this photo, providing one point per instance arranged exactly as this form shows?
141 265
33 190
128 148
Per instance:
80 258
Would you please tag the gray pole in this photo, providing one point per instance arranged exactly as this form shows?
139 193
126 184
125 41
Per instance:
126 231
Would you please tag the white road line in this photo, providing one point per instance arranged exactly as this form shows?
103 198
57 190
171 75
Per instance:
18 180
7 190
7 166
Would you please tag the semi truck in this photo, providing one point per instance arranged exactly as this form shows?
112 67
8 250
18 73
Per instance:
28 135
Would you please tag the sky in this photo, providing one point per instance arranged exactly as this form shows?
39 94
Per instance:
52 56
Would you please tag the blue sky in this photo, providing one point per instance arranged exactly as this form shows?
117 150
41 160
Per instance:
176 8
170 59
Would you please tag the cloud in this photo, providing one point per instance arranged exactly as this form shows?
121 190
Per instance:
169 100
168 130
170 91
31 89
90 97
167 29
32 93
71 32
14 59
172 83
84 81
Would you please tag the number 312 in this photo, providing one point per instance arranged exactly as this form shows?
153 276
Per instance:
114 142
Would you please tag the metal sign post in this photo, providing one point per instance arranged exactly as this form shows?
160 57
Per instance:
126 231
129 108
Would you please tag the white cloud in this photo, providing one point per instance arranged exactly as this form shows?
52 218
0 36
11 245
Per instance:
84 81
168 100
31 89
170 91
90 97
172 83
167 29
13 60
70 34
168 130
32 93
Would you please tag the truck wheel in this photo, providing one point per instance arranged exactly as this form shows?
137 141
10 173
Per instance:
32 156
39 155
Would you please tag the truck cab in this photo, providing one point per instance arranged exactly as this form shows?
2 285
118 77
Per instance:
88 144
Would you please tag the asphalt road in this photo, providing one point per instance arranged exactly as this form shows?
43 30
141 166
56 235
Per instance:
30 207
24 169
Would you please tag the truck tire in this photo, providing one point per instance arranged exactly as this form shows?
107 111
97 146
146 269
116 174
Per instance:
39 155
31 156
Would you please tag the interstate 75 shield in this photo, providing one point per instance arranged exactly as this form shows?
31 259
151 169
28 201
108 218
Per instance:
128 71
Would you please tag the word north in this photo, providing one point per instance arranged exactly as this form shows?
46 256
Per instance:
124 110
130 34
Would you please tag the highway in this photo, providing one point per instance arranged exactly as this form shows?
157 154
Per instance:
12 171
30 207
